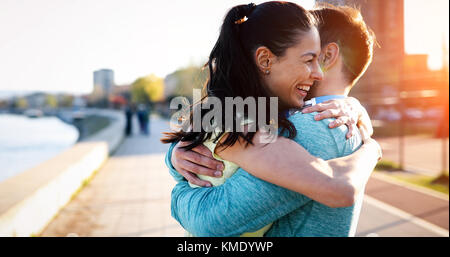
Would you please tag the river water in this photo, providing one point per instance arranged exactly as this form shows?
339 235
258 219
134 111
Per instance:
26 142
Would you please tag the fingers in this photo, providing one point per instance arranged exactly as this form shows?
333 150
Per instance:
343 120
363 119
192 178
334 109
366 123
200 160
320 107
329 113
203 150
339 122
364 134
204 158
350 131
198 169
348 111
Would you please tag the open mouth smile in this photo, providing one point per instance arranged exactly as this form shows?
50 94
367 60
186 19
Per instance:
303 89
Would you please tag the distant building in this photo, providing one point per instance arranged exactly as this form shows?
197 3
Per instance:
182 81
424 87
103 82
79 102
122 91
170 85
36 100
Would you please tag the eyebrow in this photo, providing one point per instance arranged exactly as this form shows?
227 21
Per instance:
310 53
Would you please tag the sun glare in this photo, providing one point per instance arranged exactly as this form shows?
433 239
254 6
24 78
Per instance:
426 30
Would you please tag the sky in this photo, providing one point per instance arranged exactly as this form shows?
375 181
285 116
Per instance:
425 34
55 45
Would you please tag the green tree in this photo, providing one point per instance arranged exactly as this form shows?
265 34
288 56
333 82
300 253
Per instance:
66 101
51 101
21 103
147 89
186 79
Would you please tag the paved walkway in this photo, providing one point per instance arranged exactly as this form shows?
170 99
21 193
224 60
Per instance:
130 196
423 154
392 208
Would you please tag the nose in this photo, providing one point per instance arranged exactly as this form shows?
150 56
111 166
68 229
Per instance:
317 73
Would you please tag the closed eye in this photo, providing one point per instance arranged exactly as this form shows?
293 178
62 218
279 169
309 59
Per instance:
311 60
312 57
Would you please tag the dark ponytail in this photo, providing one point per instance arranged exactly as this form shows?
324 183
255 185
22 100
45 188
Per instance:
232 70
229 62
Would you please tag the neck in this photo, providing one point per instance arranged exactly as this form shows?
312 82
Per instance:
332 85
337 90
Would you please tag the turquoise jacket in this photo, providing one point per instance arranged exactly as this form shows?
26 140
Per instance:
246 203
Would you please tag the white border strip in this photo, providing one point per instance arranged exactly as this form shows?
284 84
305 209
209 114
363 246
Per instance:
407 216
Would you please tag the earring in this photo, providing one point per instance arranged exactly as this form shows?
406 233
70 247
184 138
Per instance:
267 72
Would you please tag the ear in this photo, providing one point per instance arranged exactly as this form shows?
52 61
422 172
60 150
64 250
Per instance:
330 55
264 59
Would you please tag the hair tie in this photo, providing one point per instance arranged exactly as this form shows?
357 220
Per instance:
240 21
248 10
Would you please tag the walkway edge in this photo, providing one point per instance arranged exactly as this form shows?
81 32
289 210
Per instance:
46 188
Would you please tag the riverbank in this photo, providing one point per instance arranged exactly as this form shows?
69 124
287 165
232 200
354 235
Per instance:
46 188
92 124
27 142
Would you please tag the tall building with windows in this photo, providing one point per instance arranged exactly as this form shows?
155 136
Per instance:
103 82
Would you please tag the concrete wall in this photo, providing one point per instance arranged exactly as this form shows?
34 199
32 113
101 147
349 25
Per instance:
29 200
114 133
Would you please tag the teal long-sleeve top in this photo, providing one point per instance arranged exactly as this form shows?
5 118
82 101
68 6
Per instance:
246 203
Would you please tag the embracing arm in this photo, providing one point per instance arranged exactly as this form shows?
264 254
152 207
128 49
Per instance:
242 204
354 170
245 203
348 111
334 183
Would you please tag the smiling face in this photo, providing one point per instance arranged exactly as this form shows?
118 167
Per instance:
292 74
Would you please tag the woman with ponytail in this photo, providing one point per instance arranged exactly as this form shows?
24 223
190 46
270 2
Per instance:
266 50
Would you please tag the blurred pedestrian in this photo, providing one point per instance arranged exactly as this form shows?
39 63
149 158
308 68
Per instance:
129 119
143 117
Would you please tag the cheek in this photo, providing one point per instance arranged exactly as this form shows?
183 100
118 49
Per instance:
272 81
303 73
284 78
281 84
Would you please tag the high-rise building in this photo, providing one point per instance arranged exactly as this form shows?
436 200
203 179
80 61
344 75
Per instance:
103 82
